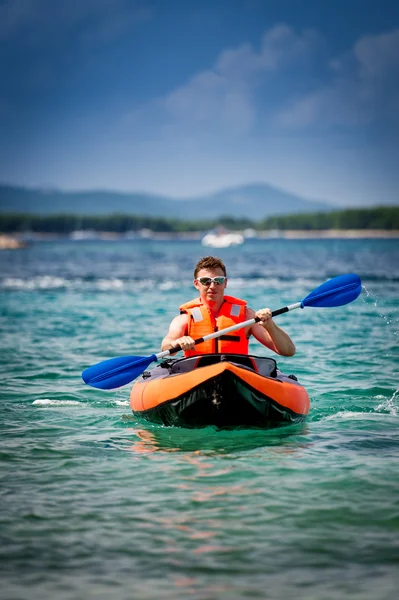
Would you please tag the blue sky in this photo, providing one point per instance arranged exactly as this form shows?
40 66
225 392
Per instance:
185 97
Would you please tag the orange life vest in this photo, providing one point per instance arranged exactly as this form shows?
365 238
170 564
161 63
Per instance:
201 322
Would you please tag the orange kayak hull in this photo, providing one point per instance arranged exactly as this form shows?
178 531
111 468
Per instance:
223 394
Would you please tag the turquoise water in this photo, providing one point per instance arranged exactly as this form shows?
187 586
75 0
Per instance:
95 504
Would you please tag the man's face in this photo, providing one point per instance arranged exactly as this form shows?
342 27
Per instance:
213 291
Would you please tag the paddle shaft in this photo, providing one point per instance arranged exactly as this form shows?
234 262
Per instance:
119 371
216 334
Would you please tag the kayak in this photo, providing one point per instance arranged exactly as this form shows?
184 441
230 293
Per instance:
222 390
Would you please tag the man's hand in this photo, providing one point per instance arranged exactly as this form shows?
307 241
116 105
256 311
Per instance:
186 343
265 316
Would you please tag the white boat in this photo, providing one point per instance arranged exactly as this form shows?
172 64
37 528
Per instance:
83 234
222 239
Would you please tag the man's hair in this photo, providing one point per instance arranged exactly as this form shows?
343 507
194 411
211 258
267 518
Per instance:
209 262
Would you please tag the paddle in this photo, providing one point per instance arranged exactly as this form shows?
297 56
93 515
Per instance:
116 372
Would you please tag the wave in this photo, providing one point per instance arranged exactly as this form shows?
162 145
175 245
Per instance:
357 415
49 402
49 282
126 284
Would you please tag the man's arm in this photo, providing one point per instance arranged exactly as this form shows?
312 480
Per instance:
269 334
176 335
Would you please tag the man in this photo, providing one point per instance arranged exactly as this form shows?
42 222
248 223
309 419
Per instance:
214 310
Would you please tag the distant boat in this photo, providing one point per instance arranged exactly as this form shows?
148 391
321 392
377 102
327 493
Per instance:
222 239
250 233
83 234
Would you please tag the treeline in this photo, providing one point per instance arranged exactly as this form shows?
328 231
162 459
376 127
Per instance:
65 224
384 217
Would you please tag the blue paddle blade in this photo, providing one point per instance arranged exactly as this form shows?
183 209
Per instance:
335 292
116 372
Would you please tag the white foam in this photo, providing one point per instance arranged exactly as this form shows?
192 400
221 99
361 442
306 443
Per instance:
50 282
45 282
109 284
389 405
49 402
345 414
122 402
353 415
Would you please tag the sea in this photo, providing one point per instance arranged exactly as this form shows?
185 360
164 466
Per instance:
96 504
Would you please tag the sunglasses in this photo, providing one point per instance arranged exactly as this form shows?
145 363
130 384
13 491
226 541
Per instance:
208 280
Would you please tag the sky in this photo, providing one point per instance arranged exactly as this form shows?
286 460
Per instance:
187 97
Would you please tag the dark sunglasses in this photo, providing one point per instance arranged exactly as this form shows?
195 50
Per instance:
208 280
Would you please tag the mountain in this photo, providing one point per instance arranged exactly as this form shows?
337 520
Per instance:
255 201
46 202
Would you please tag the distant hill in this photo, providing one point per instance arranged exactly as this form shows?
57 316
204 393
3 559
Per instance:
255 201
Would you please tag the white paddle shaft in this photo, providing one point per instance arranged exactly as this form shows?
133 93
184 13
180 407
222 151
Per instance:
216 334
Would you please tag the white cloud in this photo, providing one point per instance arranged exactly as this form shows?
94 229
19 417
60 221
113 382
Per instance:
210 99
378 55
255 91
230 97
258 113
226 125
363 89
281 46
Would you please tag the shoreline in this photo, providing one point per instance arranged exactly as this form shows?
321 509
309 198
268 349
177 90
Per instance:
17 241
337 234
